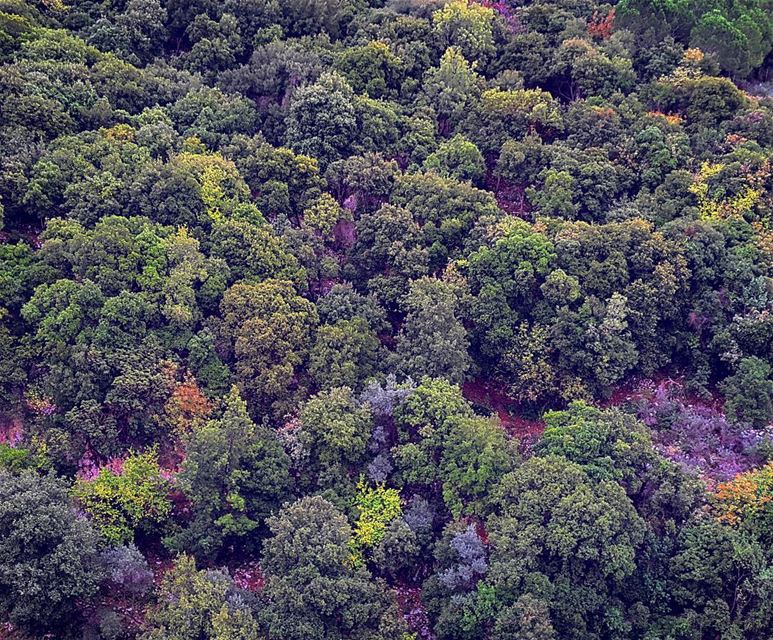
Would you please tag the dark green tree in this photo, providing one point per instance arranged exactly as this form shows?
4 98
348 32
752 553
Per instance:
312 589
749 392
235 474
48 554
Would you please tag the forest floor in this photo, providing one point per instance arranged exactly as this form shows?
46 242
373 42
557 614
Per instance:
494 397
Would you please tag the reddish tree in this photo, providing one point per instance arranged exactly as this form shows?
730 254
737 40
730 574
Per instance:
601 27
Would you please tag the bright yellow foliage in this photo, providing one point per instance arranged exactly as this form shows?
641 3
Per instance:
712 207
377 507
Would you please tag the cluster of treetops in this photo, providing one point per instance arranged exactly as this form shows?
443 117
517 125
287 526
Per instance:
252 249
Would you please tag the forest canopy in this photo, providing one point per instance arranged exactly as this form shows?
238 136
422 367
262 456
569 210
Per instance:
386 320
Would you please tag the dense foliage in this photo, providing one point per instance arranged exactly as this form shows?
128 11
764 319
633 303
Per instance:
364 319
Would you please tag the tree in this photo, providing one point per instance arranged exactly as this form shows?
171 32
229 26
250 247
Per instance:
131 499
609 444
281 181
235 474
505 276
48 554
388 253
372 69
458 158
451 88
744 502
312 590
137 34
137 291
702 590
269 328
322 119
520 161
595 343
432 341
254 252
398 555
737 33
376 507
476 454
364 181
590 71
527 619
612 445
215 44
466 25
200 604
345 354
342 302
335 430
557 197
513 113
127 569
703 101
378 126
212 116
446 209
739 44
749 392
456 456
305 17
564 538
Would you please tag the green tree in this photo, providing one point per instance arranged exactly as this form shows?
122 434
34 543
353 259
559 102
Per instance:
432 340
612 445
446 209
526 619
566 539
451 88
445 448
345 354
200 604
134 498
281 181
591 72
388 253
372 69
48 554
702 591
595 343
520 161
235 474
500 115
467 25
505 276
458 158
476 454
137 34
556 198
322 119
270 329
335 430
254 252
306 17
312 590
740 43
749 392
342 302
